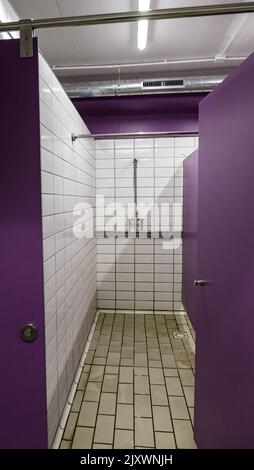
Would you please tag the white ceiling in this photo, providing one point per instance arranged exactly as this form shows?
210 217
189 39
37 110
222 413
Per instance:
231 35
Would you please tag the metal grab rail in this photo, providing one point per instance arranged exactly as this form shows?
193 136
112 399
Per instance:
26 27
124 17
135 135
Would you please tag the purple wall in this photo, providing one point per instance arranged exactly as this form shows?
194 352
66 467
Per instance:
190 221
23 384
224 403
142 113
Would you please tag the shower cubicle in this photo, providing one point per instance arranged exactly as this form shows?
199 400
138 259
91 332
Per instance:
139 186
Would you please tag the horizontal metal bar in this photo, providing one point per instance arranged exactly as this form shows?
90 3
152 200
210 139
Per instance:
135 135
125 17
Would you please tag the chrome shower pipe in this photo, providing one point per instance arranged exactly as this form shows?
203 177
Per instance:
130 16
135 182
135 135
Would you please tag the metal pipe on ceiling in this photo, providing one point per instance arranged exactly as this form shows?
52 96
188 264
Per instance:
138 87
135 135
223 60
125 17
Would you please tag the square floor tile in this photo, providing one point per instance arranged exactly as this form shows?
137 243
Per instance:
143 406
123 439
101 351
113 359
162 419
184 434
171 372
126 375
187 377
107 404
124 416
154 354
141 385
174 386
83 438
127 353
156 376
104 340
159 395
96 373
110 383
140 360
178 408
92 392
104 430
168 360
165 440
144 432
125 393
88 413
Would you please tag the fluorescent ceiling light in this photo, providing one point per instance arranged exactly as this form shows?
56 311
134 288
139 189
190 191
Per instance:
143 5
142 34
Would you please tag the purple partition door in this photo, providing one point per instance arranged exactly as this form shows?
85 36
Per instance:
23 385
224 403
190 220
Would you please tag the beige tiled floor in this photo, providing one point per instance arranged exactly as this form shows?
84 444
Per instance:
137 386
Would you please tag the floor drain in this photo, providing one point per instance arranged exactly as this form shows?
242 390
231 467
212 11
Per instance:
178 335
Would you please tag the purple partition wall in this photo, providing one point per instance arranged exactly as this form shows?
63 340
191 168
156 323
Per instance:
23 384
224 403
141 113
190 220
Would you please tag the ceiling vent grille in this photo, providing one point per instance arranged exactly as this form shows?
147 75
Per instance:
163 83
152 84
174 83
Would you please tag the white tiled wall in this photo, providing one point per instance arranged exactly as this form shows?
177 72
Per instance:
142 274
68 177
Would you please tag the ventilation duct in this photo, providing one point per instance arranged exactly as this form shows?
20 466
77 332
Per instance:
134 87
